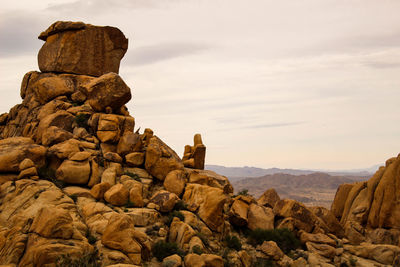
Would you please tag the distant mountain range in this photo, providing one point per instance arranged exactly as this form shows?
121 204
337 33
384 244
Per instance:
312 187
237 173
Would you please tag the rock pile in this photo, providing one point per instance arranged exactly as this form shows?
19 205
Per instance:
79 186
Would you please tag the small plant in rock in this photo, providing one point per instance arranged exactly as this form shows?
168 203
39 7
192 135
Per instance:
173 214
82 120
163 249
91 239
197 250
233 242
260 262
180 205
203 238
284 238
130 204
244 192
133 176
88 260
50 175
352 261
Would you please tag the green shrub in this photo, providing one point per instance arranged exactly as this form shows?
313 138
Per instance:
173 214
88 260
82 120
130 204
50 175
233 242
352 261
284 238
244 192
197 250
163 249
180 205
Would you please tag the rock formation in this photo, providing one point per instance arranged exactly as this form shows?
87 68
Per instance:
79 186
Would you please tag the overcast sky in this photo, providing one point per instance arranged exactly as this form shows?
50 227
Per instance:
289 84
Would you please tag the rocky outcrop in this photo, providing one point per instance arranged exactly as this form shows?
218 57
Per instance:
194 156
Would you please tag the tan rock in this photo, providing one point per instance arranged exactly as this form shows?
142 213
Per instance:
144 216
213 260
77 191
135 159
128 143
384 254
180 233
80 156
269 198
161 159
26 164
73 172
98 190
194 156
316 238
108 136
136 195
13 245
260 217
271 250
207 202
210 178
14 150
53 222
323 250
120 235
165 200
238 213
111 156
172 261
194 260
75 47
175 182
61 119
66 148
109 90
49 88
109 176
95 177
195 241
329 219
117 195
55 135
28 173
245 258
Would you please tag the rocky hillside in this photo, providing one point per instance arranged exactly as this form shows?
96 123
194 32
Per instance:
315 189
80 186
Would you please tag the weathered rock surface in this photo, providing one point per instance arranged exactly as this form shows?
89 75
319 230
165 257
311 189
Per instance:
75 47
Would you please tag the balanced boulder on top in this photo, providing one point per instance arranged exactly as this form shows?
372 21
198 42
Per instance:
79 48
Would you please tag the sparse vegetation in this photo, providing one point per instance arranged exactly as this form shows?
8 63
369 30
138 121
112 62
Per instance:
197 250
163 249
284 238
173 214
91 239
180 205
130 204
243 192
50 175
88 260
352 261
82 120
264 263
233 242
203 238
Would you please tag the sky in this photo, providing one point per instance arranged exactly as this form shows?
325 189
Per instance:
310 84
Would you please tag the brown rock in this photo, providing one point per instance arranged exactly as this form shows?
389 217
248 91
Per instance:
109 176
111 156
54 135
53 222
109 90
180 233
75 47
136 195
14 150
65 149
49 88
74 172
212 260
271 250
135 159
210 178
207 202
28 173
25 164
80 156
260 217
172 261
98 190
61 119
161 159
175 182
194 156
194 260
330 220
144 216
128 143
165 200
238 213
316 238
95 174
269 198
117 195
120 235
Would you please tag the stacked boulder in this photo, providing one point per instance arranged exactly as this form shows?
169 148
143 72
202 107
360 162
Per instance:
194 156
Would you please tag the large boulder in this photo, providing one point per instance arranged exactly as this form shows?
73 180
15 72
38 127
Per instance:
75 47
260 217
109 90
15 149
74 172
161 159
208 203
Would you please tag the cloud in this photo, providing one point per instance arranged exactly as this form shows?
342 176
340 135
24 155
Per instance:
164 51
274 125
